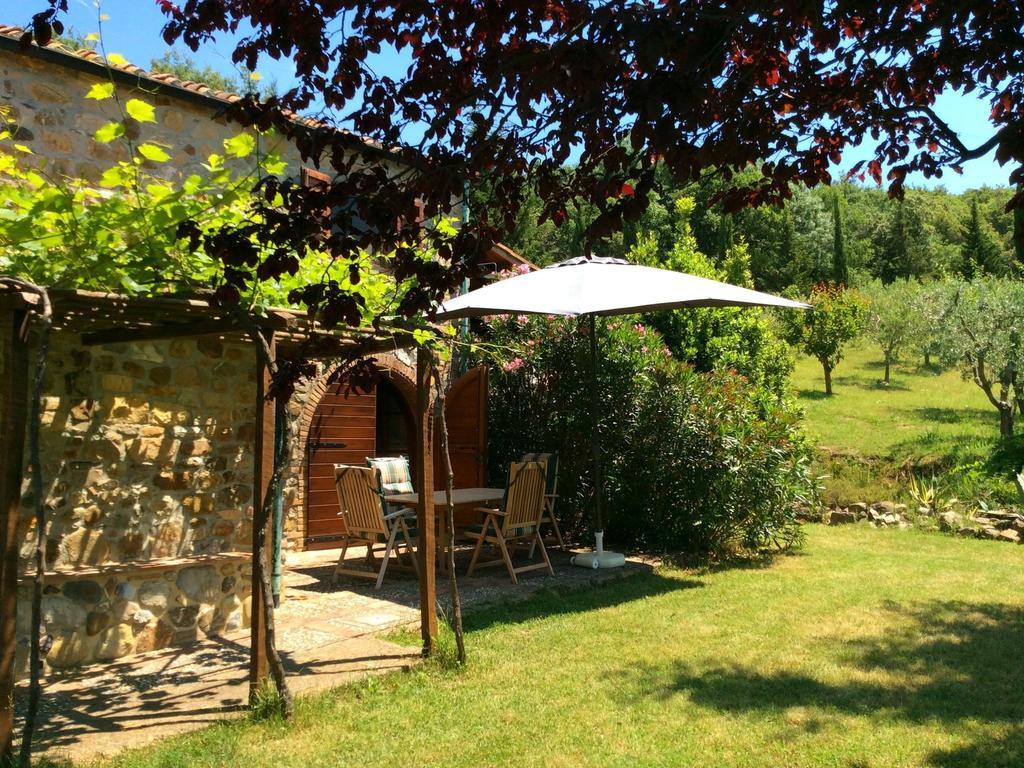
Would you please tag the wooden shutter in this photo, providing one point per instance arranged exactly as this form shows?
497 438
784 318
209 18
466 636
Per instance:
466 414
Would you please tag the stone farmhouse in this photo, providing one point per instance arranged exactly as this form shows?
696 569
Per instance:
148 445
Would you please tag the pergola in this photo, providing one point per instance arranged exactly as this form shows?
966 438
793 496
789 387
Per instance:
103 318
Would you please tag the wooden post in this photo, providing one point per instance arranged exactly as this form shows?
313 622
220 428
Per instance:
263 469
13 412
425 509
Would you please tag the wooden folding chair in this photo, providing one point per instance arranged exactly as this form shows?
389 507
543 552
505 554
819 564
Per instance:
550 462
367 521
516 522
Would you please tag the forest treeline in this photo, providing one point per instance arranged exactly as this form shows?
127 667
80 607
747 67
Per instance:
929 234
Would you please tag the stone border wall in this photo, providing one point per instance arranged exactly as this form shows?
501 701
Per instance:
147 453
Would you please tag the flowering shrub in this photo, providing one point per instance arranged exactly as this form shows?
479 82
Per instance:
702 463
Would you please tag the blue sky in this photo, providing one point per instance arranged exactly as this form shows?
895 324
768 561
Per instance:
133 30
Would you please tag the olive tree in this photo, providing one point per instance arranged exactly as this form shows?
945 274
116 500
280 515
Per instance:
892 319
930 302
835 318
982 329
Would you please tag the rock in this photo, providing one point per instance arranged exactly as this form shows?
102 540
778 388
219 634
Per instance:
115 642
227 584
84 546
841 517
84 591
169 538
885 507
160 375
58 612
157 635
949 521
211 622
1001 514
923 510
890 518
210 346
901 509
125 591
200 584
154 596
858 508
140 618
183 617
967 532
1009 534
69 649
96 622
989 532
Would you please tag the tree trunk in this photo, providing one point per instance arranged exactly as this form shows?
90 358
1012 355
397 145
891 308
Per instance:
888 362
828 377
1006 420
449 484
927 359
44 317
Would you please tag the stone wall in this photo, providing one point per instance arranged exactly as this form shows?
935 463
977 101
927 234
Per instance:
47 102
147 456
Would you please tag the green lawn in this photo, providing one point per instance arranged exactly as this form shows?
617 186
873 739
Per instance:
926 421
869 649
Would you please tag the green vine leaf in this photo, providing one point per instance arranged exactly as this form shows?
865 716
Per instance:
140 110
242 145
109 132
100 91
154 153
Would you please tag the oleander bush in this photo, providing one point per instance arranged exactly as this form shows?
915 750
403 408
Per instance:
699 463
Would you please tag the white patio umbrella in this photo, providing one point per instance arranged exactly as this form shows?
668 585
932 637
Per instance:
591 286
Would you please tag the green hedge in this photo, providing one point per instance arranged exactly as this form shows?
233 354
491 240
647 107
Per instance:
702 463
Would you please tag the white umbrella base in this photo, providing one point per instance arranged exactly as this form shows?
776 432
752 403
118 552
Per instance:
599 558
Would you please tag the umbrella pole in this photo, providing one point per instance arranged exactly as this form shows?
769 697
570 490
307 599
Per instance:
599 558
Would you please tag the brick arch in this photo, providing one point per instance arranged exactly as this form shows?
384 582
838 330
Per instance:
303 408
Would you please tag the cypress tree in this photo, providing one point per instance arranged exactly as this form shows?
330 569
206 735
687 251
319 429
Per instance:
840 270
1018 236
978 248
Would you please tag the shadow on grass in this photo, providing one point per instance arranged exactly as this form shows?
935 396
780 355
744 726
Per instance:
812 394
950 661
963 415
576 598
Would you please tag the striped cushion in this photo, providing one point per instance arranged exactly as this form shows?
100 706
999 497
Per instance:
394 473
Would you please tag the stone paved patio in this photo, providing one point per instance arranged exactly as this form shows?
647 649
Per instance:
328 635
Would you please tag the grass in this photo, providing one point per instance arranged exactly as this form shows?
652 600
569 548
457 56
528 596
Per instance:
870 648
928 421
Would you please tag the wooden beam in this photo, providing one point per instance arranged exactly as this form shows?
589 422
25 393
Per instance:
177 330
263 469
425 509
157 332
13 416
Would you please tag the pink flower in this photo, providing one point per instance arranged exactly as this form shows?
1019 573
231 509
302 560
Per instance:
521 319
514 364
522 269
640 328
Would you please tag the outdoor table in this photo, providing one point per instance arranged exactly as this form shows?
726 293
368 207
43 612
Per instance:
461 497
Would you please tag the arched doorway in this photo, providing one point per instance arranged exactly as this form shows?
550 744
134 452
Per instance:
348 429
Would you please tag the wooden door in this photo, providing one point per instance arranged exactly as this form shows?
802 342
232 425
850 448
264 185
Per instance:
343 431
466 414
